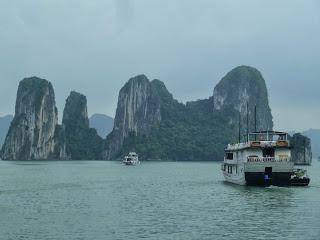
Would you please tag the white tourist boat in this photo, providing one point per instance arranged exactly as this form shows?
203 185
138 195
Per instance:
131 159
264 159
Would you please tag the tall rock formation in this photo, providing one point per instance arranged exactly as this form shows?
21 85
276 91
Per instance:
301 153
314 135
82 142
137 111
60 148
150 121
241 86
31 134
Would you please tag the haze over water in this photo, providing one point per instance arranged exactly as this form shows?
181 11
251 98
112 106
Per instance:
155 200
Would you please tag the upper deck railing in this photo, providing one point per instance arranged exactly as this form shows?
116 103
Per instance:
284 158
262 139
266 136
258 144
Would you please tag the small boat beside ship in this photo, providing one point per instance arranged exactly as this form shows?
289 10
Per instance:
131 159
299 178
263 159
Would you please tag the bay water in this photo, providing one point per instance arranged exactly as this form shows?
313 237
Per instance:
154 200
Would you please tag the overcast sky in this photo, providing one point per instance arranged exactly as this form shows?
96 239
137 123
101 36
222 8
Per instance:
95 46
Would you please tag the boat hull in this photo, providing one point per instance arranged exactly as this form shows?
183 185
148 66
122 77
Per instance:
260 174
260 179
235 179
128 163
300 182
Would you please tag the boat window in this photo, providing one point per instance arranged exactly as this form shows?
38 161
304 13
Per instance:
268 152
229 156
224 167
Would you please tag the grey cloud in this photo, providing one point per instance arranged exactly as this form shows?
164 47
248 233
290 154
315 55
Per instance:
124 12
95 46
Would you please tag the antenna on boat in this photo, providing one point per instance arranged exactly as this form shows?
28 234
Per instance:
247 121
255 118
239 137
255 122
304 150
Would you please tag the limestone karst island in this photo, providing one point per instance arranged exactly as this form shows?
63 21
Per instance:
159 120
148 119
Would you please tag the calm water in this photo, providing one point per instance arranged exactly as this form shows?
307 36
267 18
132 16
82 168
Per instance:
165 200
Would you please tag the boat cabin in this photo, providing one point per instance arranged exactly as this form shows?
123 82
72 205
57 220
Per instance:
266 146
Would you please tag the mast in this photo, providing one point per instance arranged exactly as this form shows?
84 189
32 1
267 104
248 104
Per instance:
304 150
239 137
255 118
255 122
247 122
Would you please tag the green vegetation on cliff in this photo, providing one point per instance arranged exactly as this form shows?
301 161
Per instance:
186 132
37 87
184 137
31 133
82 142
240 86
198 130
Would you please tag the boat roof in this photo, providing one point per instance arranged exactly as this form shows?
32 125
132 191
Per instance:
269 132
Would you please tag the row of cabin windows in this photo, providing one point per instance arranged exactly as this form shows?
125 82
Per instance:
230 168
266 152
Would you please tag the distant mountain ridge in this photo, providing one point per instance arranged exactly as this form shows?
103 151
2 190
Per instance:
102 123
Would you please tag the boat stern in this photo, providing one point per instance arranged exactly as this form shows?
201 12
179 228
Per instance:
268 173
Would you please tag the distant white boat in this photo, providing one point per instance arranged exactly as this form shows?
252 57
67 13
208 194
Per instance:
131 159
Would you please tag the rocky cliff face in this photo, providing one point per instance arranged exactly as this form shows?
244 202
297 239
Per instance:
31 134
314 135
82 142
240 86
4 127
60 148
75 112
139 108
149 121
34 133
301 149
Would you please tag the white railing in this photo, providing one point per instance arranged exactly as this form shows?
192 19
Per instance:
268 159
237 146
